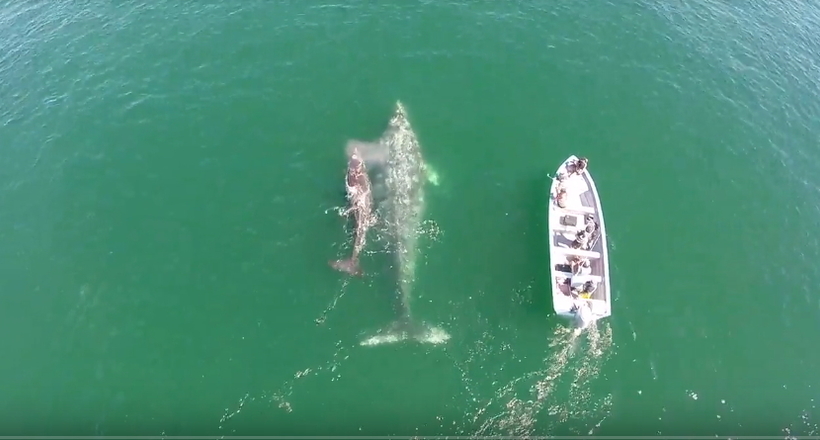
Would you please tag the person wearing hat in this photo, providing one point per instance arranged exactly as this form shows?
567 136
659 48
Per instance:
581 266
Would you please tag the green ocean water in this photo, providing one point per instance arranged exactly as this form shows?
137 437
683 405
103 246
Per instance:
168 168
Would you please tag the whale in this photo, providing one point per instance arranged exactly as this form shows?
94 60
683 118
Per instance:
396 157
360 206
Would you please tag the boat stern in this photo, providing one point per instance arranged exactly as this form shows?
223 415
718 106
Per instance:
581 312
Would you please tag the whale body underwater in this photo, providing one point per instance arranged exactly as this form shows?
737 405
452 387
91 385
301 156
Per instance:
399 172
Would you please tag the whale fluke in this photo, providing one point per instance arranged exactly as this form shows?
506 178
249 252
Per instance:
350 266
404 329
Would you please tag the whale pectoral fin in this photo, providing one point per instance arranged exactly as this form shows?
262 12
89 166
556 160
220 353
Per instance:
374 219
337 209
430 174
370 152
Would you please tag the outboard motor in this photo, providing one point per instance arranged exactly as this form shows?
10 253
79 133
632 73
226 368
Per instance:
583 314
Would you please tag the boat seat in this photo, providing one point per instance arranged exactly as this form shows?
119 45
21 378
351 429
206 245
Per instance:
584 278
576 209
579 278
592 255
565 228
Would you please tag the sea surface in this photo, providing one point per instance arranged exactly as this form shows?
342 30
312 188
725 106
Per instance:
170 171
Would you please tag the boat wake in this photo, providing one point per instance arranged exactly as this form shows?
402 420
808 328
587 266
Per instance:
281 397
332 305
556 396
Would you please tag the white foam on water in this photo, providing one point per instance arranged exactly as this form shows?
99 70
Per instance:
383 339
281 396
575 360
435 335
332 305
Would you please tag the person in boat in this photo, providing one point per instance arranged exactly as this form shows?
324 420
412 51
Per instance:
586 290
590 224
581 240
561 180
590 228
581 266
578 167
565 286
581 165
593 230
561 198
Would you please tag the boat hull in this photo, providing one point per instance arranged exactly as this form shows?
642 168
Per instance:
569 213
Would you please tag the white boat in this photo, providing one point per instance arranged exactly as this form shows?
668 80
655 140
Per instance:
571 296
